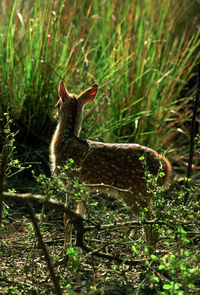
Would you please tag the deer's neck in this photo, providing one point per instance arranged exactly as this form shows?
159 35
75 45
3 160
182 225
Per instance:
64 132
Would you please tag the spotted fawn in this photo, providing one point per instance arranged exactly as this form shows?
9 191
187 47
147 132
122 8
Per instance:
105 165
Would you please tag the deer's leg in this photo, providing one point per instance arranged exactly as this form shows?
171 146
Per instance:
151 233
138 205
67 223
80 209
151 237
68 228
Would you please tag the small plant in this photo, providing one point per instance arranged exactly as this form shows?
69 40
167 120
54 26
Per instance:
152 183
53 186
14 290
70 289
73 254
8 156
197 139
9 164
176 271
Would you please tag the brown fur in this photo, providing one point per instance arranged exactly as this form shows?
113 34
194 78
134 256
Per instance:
111 164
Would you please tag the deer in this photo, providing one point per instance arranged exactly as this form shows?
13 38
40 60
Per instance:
111 168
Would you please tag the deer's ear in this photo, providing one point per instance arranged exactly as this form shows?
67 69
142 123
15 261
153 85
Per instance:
89 94
62 92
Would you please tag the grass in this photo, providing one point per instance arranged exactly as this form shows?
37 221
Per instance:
140 54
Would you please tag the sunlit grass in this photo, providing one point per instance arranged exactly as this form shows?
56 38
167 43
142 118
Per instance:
134 50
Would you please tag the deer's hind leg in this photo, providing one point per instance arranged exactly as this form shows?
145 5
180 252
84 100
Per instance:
143 207
151 234
80 209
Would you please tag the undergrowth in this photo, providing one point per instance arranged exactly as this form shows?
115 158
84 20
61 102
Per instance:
109 229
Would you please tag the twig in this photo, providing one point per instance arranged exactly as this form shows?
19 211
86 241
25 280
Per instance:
75 218
129 224
107 186
51 203
44 249
117 259
193 129
3 167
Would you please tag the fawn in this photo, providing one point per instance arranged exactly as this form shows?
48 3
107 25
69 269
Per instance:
111 164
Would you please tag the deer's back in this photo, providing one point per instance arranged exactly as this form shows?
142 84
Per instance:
120 165
113 164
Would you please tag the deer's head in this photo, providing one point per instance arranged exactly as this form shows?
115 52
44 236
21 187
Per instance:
70 106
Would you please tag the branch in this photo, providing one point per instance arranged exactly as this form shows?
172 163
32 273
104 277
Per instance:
193 132
107 186
111 257
51 203
44 249
193 129
129 224
75 218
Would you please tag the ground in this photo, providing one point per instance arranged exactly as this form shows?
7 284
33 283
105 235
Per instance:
24 268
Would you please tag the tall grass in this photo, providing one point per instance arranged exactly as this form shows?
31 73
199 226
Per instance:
138 51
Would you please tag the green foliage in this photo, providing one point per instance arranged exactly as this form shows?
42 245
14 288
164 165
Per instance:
197 139
173 270
13 165
137 53
176 271
14 290
74 257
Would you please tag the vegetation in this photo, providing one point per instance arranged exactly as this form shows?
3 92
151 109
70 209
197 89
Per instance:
114 256
143 55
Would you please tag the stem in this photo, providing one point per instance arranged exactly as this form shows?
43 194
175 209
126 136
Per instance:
3 166
193 133
193 130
